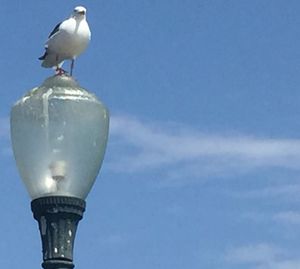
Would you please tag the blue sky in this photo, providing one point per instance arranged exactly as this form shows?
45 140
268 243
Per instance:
203 160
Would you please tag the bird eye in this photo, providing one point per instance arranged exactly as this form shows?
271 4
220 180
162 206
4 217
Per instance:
82 12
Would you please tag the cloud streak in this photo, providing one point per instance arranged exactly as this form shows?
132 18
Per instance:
288 217
177 151
261 256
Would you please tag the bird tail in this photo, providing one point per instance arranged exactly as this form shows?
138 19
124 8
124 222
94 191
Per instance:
49 60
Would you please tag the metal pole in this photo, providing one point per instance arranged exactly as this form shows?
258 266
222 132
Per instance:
58 217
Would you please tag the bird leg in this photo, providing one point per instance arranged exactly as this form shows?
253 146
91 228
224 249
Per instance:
59 71
72 66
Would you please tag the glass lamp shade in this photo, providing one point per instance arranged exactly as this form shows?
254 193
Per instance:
59 134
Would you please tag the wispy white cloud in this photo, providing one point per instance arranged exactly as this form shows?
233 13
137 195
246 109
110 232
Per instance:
180 152
282 223
286 191
262 256
288 217
254 254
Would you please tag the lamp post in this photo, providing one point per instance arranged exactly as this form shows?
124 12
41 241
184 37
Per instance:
59 133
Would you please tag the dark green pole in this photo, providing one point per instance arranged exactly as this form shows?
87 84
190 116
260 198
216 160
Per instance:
58 217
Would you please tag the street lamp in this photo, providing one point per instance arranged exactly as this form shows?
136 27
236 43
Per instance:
59 133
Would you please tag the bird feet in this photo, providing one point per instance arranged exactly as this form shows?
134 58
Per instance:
59 71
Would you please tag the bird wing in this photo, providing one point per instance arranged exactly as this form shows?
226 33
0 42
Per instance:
55 30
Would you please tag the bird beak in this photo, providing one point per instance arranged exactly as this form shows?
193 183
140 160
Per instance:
81 12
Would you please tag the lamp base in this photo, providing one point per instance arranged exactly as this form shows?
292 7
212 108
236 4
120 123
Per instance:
58 217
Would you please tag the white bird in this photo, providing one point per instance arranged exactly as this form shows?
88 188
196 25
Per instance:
67 40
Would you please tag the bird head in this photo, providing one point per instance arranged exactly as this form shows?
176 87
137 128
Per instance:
79 12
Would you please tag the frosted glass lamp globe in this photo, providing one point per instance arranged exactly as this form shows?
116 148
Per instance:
59 134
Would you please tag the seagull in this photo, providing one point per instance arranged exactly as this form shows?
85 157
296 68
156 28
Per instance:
67 40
